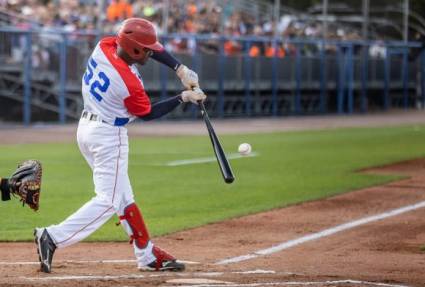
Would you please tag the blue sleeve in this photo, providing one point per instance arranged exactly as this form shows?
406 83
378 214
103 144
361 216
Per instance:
162 108
167 59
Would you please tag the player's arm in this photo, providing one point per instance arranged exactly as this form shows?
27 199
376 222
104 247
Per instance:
163 107
5 189
188 77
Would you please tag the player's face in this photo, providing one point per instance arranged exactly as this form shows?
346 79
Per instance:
147 53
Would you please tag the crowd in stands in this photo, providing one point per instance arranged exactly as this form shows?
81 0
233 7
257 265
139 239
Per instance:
188 17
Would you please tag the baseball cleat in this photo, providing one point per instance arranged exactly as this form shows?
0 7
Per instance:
163 262
45 249
167 265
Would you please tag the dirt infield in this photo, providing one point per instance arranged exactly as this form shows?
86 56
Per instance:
369 237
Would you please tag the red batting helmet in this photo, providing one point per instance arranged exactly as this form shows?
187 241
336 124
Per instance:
136 34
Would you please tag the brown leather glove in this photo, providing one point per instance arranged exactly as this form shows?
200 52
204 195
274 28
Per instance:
25 182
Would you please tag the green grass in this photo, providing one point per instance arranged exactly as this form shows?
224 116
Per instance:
292 167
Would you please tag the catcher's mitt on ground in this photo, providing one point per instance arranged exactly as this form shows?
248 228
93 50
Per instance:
25 182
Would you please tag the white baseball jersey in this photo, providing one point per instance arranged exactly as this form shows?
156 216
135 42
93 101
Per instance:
111 89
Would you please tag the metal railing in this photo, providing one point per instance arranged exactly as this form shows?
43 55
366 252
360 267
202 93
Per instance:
314 75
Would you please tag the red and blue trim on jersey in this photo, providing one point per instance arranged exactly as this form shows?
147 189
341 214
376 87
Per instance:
137 102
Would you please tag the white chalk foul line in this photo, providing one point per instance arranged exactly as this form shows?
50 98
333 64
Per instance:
323 233
86 277
139 276
112 261
207 159
299 283
282 283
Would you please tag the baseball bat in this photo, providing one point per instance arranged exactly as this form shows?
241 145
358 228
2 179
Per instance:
226 170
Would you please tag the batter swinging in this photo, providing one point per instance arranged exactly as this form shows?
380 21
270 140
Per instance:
114 95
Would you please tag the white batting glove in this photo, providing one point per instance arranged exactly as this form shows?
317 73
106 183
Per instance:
188 77
193 96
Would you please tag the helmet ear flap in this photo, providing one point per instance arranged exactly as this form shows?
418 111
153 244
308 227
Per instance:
129 46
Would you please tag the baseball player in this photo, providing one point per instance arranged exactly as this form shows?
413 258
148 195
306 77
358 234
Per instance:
114 95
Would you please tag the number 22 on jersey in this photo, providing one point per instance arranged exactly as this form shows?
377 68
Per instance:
98 86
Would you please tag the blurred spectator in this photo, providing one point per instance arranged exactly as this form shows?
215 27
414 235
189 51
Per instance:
232 47
377 50
119 10
255 50
272 51
213 17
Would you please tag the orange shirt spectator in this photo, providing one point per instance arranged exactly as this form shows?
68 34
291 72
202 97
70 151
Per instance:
231 48
271 52
191 9
254 51
118 10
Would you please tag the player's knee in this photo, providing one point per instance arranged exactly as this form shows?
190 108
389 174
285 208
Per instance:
102 200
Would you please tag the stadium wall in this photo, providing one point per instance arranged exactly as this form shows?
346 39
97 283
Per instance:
308 76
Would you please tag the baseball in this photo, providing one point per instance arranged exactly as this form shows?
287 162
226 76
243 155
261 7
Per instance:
244 148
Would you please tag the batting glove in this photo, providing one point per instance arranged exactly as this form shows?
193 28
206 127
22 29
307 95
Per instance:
193 96
188 77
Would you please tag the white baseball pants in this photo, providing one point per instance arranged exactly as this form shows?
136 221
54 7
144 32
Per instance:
105 148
